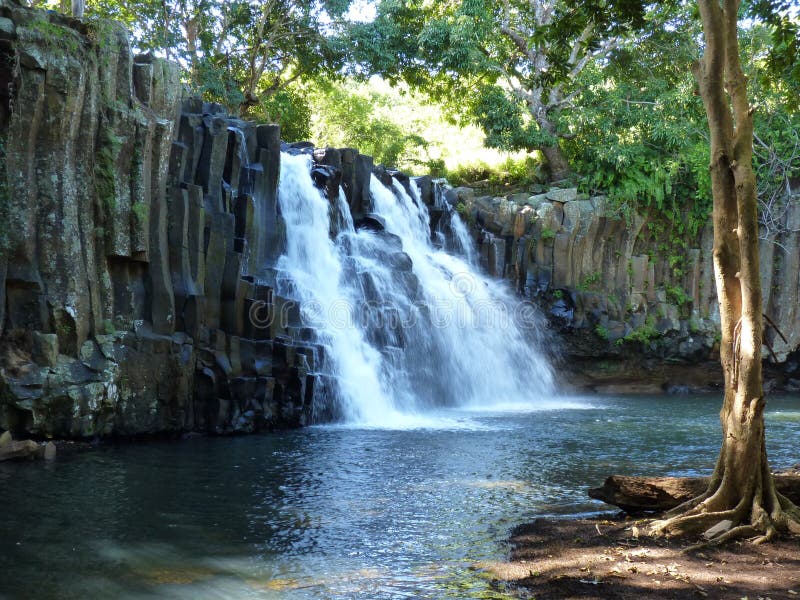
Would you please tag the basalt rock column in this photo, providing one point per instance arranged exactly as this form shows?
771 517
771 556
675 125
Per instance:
138 235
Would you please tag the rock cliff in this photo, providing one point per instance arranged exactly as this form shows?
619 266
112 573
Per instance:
139 233
624 288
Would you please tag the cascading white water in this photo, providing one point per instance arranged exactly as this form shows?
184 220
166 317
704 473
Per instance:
487 357
312 270
407 327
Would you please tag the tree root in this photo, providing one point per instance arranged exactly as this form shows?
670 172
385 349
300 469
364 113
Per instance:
737 533
758 524
687 506
699 518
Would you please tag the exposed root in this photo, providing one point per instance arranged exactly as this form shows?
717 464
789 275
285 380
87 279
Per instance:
687 506
699 518
771 533
788 507
756 523
692 523
737 533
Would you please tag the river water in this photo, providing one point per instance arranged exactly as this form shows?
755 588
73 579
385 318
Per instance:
336 511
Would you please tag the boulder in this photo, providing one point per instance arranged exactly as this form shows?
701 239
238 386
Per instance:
49 451
8 31
401 261
562 195
372 222
24 449
45 349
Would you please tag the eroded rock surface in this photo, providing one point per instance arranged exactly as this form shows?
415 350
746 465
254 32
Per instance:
138 235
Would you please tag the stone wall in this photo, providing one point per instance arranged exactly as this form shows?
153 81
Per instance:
138 235
616 287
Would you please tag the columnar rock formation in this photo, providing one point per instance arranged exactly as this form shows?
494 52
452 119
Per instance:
621 280
139 234
140 231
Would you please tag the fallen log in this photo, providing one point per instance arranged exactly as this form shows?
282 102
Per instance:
657 494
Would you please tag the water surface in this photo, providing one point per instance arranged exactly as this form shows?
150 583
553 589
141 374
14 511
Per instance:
338 512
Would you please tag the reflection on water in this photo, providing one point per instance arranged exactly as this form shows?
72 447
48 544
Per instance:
337 512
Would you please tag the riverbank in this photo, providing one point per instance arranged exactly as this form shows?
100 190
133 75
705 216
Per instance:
611 559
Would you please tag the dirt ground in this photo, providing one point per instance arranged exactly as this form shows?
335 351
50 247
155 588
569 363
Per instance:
613 559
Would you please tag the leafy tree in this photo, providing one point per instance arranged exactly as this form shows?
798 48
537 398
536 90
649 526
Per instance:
512 67
245 54
639 131
291 108
640 134
783 55
741 495
354 115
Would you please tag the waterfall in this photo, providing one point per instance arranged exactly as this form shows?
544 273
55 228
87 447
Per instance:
407 327
244 159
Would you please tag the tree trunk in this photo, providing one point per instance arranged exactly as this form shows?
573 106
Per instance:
741 489
557 164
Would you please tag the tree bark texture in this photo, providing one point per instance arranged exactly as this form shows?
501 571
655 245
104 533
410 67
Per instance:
741 489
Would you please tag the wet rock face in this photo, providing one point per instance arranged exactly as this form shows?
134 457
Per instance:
138 237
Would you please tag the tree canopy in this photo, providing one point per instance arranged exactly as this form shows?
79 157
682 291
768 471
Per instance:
244 54
514 68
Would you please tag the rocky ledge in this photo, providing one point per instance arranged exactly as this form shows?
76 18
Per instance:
634 308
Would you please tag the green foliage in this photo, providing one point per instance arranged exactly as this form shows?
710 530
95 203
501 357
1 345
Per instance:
509 173
602 332
108 327
141 211
56 37
291 109
781 58
505 122
677 295
465 214
548 234
473 172
437 167
105 168
240 53
641 137
361 117
590 281
644 334
480 57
